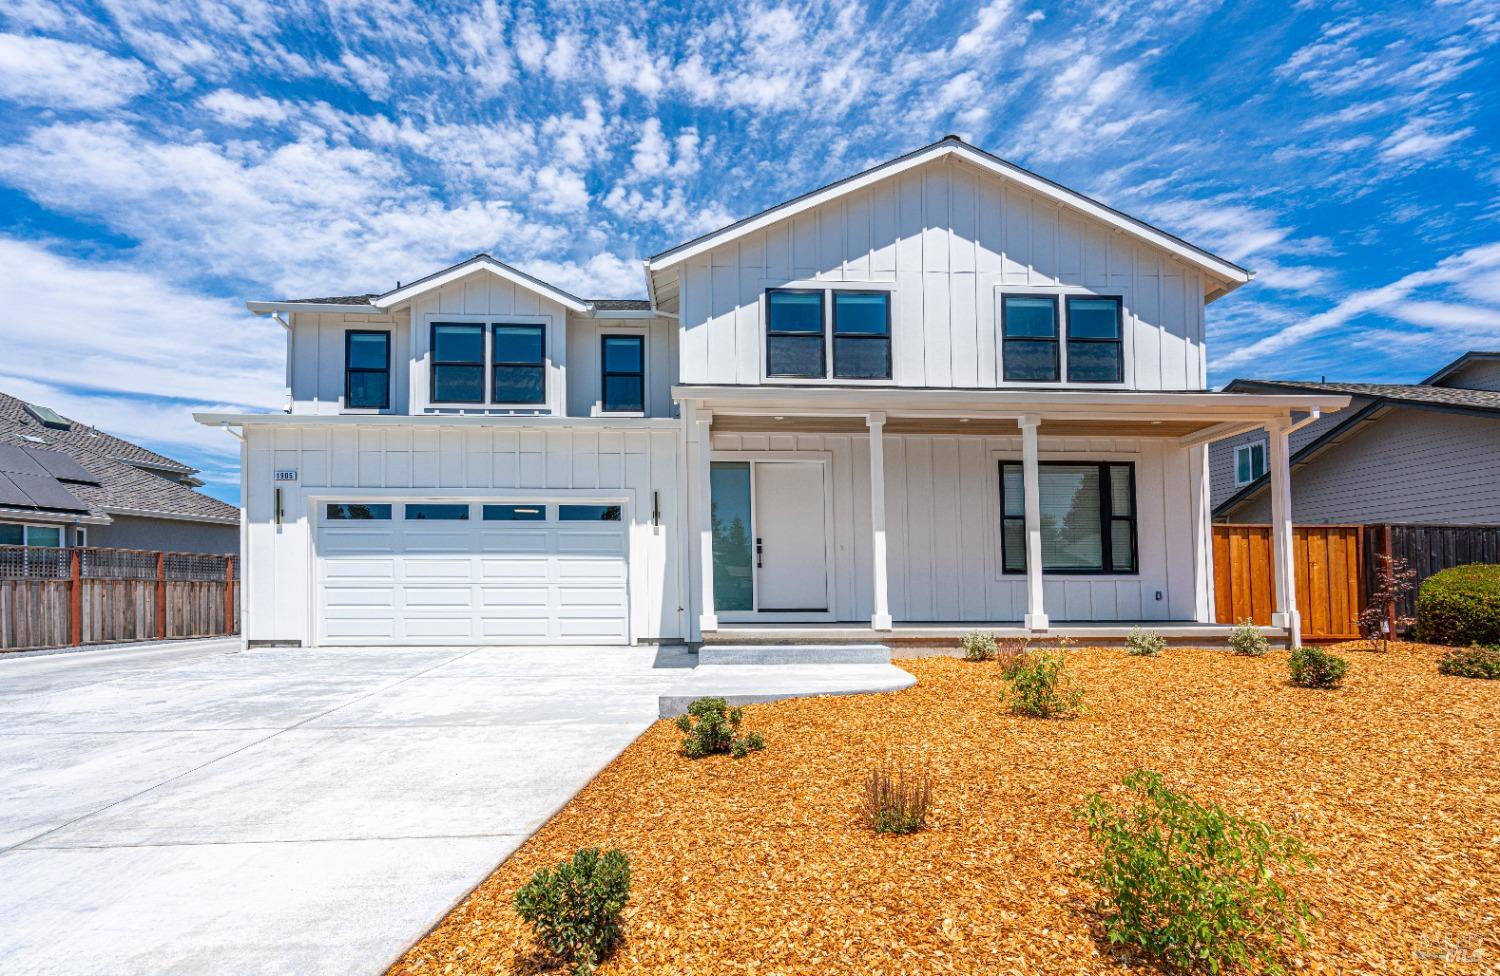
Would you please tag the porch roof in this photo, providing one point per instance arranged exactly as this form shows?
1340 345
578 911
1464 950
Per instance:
1192 417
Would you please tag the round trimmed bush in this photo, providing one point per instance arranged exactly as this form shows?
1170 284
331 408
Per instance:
1460 606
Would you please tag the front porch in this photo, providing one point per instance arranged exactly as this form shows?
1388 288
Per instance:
908 638
913 516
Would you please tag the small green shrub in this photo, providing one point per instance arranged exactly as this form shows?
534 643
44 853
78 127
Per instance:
1247 640
574 907
1145 643
896 800
1191 885
1042 687
711 726
979 646
1312 667
1460 606
1471 662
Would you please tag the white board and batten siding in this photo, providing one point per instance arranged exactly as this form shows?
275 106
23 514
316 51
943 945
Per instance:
585 370
946 238
469 463
943 527
315 351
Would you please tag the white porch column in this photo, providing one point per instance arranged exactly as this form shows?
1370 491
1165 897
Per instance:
1036 613
880 619
708 618
1286 614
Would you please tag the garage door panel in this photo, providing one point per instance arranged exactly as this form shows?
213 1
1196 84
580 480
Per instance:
518 630
421 569
347 542
574 542
361 628
511 597
447 626
436 596
589 569
510 541
339 597
597 598
590 631
519 569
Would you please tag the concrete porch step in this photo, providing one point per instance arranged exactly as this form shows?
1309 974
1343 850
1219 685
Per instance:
743 655
748 685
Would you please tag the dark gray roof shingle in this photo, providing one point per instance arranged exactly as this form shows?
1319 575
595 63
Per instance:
621 304
1448 396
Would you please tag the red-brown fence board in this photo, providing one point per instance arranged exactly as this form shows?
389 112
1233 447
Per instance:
1327 562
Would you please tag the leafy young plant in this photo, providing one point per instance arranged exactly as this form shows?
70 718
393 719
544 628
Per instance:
1192 885
896 800
1471 662
978 646
711 726
1247 640
1145 643
574 907
1393 580
1313 667
1041 686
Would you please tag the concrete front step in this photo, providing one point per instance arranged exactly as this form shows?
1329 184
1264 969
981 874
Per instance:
719 655
748 685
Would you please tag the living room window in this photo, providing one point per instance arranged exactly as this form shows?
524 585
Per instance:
367 370
1249 463
1088 517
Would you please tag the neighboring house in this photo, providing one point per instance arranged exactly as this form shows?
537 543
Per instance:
941 391
64 483
1402 452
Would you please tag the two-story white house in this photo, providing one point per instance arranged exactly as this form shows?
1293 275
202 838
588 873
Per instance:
940 394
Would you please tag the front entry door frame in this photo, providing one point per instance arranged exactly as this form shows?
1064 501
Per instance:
825 460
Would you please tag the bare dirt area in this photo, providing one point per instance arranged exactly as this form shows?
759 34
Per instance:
762 865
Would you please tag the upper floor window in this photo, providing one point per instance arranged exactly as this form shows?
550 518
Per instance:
367 370
1088 517
862 335
1095 351
1029 326
520 364
623 379
457 363
794 333
1249 463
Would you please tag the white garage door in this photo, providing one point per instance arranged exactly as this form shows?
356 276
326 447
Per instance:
471 573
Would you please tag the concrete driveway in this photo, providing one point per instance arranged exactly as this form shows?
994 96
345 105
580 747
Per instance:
201 810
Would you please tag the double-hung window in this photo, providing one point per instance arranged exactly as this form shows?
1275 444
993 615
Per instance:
623 379
520 357
457 363
794 333
862 335
1249 463
1030 329
1095 350
367 370
1087 514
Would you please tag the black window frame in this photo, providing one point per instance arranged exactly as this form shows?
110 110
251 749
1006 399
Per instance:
495 364
822 372
350 370
1118 342
885 339
1107 519
436 363
605 372
1056 341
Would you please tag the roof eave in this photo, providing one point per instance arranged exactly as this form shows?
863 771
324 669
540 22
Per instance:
267 308
479 262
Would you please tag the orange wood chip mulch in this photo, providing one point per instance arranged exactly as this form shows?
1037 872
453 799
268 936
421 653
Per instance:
761 865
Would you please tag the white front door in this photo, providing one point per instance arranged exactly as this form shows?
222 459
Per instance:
790 537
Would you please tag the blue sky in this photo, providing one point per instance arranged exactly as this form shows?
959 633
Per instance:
161 162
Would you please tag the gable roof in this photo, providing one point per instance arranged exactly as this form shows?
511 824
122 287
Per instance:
1466 359
129 479
1228 273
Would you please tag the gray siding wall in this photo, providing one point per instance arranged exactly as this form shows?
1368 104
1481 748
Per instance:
1221 453
1409 466
1481 375
166 535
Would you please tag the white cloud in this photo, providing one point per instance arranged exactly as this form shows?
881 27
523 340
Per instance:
982 35
1418 140
233 108
561 190
60 74
656 158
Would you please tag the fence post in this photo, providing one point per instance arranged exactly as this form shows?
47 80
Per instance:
228 595
161 596
75 599
1390 605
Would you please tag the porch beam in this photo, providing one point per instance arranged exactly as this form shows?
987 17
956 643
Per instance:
708 618
1218 432
1282 552
880 618
1036 613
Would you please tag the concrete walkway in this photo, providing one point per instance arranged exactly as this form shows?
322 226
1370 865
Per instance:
195 809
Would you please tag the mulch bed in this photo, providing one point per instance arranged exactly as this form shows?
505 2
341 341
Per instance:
762 865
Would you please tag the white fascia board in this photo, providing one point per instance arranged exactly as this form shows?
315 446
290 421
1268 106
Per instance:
268 308
485 263
512 421
1055 403
1231 274
32 515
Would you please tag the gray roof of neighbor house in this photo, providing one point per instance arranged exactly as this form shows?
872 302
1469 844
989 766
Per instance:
127 479
1412 393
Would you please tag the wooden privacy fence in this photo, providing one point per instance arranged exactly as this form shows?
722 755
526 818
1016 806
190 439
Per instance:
1330 569
1430 548
59 597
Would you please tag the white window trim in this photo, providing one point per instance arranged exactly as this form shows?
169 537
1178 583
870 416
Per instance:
827 287
1061 294
552 374
1253 476
27 527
